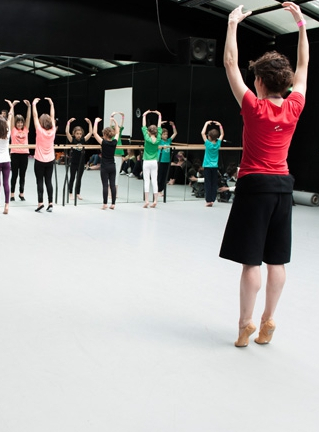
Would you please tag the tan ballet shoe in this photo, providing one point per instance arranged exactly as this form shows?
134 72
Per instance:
265 333
243 339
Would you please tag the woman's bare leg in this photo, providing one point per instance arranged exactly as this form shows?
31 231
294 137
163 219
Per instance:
250 284
146 194
275 282
155 200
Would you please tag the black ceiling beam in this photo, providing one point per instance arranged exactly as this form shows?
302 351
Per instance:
279 6
14 60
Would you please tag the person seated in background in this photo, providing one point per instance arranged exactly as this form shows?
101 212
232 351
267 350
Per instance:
137 171
94 162
178 169
4 114
225 190
196 179
128 162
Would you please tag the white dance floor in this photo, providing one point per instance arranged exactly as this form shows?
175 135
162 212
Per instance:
124 321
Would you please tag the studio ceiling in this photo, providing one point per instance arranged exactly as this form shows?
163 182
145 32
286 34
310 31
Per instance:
268 16
56 67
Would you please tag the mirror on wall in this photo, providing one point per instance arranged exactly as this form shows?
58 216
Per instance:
93 88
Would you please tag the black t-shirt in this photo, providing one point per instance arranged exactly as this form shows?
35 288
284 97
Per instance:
76 153
108 150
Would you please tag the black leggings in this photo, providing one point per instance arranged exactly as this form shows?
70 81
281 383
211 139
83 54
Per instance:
79 169
211 184
19 165
108 173
163 168
44 171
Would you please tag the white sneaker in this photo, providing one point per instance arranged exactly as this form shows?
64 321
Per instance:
122 173
130 175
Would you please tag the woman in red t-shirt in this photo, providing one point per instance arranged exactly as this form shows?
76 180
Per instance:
259 225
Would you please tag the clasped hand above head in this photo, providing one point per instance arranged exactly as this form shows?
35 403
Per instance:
237 15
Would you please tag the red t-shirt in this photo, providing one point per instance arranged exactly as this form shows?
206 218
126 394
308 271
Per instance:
267 133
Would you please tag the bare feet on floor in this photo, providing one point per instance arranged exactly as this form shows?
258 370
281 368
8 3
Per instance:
209 204
154 204
71 196
112 207
104 207
79 197
146 204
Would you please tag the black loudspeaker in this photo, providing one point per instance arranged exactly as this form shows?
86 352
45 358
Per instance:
194 50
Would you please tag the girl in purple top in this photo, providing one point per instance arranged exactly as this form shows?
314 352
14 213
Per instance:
5 165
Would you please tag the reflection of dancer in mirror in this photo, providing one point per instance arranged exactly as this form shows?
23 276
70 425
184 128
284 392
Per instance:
108 171
77 138
44 156
259 225
19 156
94 163
118 152
212 140
152 137
164 156
5 156
4 114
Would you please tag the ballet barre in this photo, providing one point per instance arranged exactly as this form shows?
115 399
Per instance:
177 146
137 145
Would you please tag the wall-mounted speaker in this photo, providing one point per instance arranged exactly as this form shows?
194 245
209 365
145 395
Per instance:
195 50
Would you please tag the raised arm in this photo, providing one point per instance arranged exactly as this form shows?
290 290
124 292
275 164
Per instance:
159 121
35 113
174 130
116 127
234 76
221 130
10 121
89 134
122 117
300 78
204 130
144 117
52 110
28 116
95 134
67 129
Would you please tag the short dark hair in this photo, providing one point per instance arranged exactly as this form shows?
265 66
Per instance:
275 71
213 134
18 118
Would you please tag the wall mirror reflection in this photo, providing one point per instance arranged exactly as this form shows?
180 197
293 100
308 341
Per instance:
187 95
